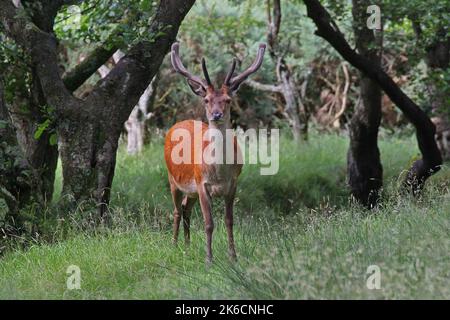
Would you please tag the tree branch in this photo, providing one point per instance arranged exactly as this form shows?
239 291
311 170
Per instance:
43 18
74 78
274 23
431 158
276 16
263 87
124 85
45 12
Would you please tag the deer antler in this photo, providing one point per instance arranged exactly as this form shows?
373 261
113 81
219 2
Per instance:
235 82
205 73
180 68
230 73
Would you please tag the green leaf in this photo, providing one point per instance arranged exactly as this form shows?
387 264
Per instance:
53 140
40 130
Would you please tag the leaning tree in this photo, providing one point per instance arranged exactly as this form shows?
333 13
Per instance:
431 160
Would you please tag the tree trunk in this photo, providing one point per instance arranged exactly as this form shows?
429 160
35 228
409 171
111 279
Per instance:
17 184
89 130
25 114
42 156
41 153
291 97
88 154
443 135
294 109
89 143
364 169
136 123
437 60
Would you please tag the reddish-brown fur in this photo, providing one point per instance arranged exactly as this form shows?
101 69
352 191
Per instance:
186 173
201 180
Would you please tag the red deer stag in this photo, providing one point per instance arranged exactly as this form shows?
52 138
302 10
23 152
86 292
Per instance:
203 179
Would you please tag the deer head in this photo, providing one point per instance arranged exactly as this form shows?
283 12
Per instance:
216 101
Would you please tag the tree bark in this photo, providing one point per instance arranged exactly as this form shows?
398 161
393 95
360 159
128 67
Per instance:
74 78
41 153
364 169
437 60
136 123
293 109
16 181
24 114
431 160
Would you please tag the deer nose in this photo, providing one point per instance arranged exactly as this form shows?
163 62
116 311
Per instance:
217 115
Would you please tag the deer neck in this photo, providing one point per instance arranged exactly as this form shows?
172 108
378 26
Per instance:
222 126
222 169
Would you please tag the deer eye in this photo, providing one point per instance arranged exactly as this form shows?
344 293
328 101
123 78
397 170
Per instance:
227 100
206 100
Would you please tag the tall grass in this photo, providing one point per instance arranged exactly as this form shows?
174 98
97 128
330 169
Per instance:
298 235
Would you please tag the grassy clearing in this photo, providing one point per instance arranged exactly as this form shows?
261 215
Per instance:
297 236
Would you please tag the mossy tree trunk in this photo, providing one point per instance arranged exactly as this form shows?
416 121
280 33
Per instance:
89 130
41 152
17 185
88 155
25 109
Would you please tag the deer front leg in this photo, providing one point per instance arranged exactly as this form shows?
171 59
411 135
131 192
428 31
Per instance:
229 203
177 198
205 204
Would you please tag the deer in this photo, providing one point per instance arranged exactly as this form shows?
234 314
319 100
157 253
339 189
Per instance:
200 179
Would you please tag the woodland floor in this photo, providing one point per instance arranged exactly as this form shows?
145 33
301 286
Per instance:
298 235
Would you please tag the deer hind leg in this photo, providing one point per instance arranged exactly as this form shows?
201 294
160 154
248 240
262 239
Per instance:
187 205
205 204
229 204
177 198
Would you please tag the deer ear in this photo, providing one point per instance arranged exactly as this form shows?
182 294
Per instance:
197 88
